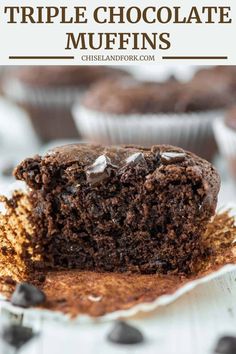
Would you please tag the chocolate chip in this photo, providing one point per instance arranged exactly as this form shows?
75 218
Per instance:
16 336
135 158
100 170
26 295
172 157
122 333
226 345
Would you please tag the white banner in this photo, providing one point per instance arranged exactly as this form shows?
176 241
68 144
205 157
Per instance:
115 32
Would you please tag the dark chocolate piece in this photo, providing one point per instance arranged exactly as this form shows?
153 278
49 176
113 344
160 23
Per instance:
16 336
123 333
135 158
27 295
226 345
100 170
168 157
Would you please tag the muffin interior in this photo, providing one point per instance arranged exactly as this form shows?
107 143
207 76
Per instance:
120 209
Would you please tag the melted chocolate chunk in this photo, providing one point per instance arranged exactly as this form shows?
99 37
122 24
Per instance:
27 295
226 345
17 336
100 170
135 158
169 157
122 333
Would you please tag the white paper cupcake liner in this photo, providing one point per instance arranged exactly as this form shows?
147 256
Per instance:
49 109
226 138
189 131
37 96
32 314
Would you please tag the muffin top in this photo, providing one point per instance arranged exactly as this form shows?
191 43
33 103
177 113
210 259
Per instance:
230 118
53 76
120 158
222 77
129 96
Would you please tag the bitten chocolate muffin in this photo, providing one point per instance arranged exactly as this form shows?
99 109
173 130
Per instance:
120 209
47 93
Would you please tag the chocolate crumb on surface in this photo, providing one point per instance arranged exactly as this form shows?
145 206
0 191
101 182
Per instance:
226 345
123 333
27 295
16 336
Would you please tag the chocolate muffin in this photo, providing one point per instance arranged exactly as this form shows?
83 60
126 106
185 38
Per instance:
59 76
120 209
47 93
133 112
222 77
128 96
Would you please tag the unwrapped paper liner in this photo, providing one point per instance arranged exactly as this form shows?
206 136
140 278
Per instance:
186 285
148 307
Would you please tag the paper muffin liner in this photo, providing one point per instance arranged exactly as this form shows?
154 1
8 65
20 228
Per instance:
147 308
145 304
48 108
40 96
226 138
192 131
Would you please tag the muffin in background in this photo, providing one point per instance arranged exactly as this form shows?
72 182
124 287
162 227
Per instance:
225 134
224 77
133 112
48 92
